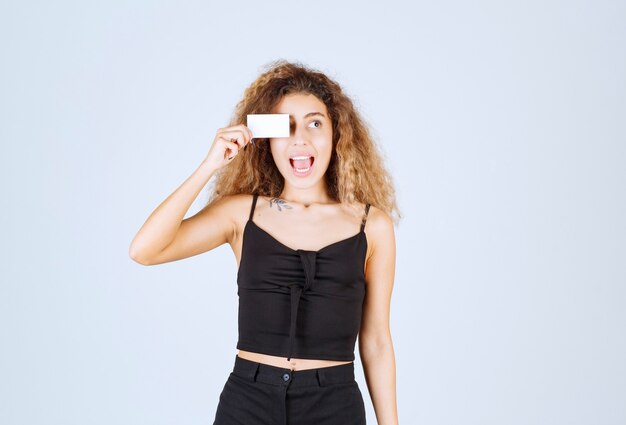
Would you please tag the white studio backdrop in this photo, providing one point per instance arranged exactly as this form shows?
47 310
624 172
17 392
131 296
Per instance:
501 122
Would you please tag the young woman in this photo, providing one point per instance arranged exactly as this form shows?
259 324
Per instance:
309 220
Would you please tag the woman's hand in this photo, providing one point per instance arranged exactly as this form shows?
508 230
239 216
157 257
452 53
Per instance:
226 145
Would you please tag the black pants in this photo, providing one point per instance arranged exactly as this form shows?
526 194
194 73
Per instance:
260 394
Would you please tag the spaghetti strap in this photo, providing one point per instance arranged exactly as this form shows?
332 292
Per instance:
254 198
367 208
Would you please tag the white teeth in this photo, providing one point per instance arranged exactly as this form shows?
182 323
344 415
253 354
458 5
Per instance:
301 157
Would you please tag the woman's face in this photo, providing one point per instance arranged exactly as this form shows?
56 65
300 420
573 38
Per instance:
303 157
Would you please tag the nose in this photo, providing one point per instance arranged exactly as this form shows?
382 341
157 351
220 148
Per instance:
299 134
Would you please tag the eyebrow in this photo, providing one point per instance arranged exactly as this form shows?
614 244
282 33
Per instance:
309 115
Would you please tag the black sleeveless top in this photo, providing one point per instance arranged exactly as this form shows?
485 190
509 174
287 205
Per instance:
300 303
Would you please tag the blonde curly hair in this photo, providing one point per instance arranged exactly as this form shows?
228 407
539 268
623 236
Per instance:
356 172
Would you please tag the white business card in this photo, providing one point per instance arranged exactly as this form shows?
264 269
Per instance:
268 125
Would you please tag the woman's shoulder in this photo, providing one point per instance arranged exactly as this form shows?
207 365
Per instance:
379 226
234 206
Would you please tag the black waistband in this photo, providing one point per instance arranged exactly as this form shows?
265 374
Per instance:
255 371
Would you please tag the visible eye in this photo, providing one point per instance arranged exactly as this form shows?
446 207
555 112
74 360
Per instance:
319 122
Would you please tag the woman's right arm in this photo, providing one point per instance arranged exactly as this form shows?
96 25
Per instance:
165 236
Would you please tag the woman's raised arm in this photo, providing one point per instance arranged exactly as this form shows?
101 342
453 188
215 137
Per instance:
165 236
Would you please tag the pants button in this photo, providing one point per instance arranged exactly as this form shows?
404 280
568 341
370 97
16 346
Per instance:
286 377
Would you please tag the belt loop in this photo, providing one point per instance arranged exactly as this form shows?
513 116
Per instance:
321 378
253 372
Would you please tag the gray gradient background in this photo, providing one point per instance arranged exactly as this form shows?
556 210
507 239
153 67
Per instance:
503 124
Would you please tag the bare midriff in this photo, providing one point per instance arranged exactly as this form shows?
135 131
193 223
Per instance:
293 363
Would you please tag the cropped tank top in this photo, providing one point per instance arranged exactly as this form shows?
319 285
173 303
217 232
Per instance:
300 303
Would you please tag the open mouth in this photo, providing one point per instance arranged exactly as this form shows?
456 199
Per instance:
302 163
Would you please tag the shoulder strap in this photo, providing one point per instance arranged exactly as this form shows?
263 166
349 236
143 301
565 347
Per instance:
254 198
367 208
